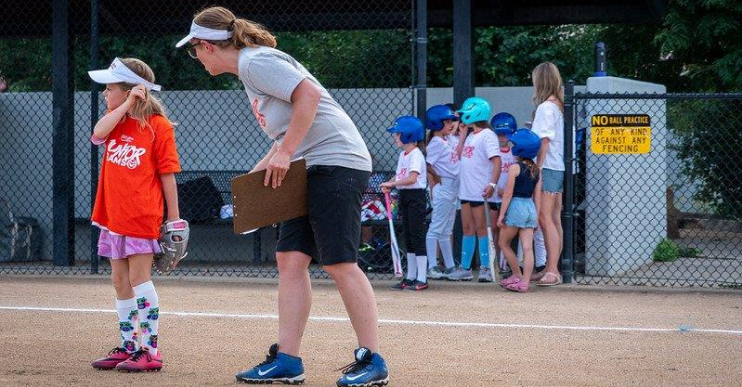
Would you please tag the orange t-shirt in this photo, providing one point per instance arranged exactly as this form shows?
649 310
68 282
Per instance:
129 200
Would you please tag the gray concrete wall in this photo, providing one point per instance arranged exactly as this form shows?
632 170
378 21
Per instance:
626 209
514 100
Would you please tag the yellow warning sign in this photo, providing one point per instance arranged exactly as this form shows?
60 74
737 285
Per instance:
620 134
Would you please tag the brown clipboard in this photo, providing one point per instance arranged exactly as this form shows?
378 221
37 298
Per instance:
256 205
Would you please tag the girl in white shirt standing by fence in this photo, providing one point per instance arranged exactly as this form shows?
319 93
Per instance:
548 124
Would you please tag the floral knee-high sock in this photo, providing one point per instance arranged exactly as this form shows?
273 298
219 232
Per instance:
149 315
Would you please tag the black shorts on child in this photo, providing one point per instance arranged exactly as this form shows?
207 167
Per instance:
475 204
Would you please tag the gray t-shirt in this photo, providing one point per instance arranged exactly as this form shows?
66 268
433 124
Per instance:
270 77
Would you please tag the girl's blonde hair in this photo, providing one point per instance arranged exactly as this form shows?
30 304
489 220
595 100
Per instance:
547 82
143 109
246 33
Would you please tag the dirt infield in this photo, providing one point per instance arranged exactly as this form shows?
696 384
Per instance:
451 335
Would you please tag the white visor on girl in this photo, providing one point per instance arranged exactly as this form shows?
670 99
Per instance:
200 32
118 72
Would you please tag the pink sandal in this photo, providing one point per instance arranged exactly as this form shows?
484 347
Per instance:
513 279
520 287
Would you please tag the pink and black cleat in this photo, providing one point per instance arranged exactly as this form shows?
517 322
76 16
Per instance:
141 361
115 356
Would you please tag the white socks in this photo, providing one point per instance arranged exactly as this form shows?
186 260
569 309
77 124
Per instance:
447 251
411 267
422 270
431 247
148 305
128 320
432 244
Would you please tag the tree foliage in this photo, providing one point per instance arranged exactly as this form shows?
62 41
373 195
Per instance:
705 37
696 49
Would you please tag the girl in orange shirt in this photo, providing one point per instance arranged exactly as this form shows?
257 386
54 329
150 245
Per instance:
136 178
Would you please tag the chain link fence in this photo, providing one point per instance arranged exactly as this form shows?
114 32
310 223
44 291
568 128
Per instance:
671 216
364 57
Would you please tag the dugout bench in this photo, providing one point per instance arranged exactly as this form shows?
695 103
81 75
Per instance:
203 195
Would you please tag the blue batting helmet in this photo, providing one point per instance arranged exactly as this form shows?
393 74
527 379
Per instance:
435 116
504 123
475 109
410 129
526 144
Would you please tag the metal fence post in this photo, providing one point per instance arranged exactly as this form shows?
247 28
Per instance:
463 52
421 49
63 105
94 231
567 208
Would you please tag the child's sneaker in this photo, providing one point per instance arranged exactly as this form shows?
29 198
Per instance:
460 274
115 356
369 369
447 272
435 272
141 360
402 285
277 368
417 286
485 274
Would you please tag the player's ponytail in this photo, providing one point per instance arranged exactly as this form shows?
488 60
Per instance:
246 33
531 167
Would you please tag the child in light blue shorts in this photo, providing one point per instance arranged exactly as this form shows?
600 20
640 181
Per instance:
519 213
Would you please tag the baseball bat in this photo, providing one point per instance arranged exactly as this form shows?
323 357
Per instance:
396 259
491 243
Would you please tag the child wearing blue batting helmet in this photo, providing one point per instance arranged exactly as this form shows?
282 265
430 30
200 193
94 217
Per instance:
411 181
519 211
503 124
480 167
442 159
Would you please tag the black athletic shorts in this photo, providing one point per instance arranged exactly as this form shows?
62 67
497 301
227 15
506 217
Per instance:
475 204
333 223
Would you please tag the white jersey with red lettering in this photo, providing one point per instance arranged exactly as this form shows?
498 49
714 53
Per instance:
476 168
442 156
412 162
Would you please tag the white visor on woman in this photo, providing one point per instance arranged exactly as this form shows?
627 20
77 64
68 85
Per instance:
118 72
200 32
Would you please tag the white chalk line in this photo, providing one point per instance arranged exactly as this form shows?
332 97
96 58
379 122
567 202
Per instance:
456 324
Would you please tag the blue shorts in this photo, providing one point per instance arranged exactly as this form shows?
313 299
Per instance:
552 181
521 213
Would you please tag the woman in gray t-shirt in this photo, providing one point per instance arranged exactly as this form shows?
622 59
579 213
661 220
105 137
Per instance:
303 120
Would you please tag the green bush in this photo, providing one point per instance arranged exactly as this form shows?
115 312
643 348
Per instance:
666 251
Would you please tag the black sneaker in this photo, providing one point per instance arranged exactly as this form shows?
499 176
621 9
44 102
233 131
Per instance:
417 286
402 285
